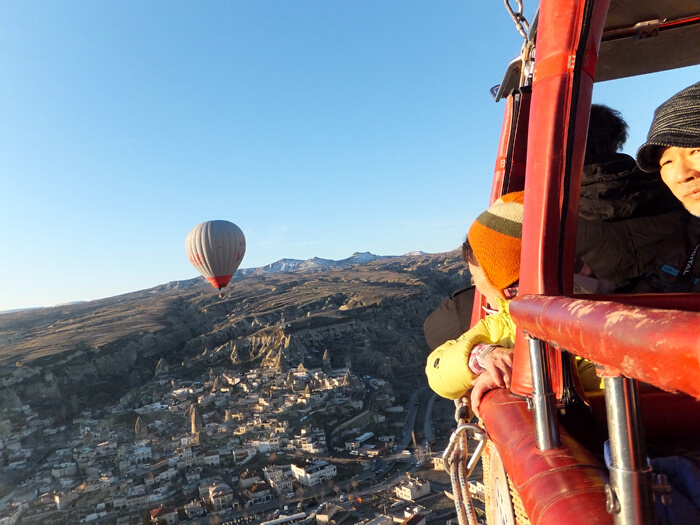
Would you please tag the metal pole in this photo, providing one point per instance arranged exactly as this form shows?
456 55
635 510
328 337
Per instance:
630 490
544 402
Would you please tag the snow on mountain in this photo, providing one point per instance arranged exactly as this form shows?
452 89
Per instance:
311 265
172 285
362 258
283 265
317 264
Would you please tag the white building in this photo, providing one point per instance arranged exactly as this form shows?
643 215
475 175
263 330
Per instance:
221 496
315 472
359 441
167 514
212 460
142 454
239 454
278 479
64 470
193 510
258 493
192 475
380 520
437 463
412 489
163 472
249 478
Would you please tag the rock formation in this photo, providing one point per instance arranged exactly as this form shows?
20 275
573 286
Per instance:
140 429
367 317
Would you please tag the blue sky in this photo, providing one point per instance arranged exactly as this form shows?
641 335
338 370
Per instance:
321 128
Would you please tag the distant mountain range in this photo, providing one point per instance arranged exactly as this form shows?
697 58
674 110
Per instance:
283 265
315 264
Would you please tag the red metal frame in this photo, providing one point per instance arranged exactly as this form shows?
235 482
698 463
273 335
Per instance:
561 100
509 171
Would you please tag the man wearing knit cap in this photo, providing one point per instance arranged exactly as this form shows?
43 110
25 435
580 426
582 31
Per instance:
673 146
492 251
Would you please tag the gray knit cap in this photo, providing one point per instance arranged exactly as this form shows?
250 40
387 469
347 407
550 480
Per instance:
676 123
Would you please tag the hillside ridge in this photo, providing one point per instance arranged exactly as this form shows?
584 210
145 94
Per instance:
367 314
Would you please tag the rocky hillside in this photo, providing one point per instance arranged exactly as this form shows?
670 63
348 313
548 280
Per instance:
370 314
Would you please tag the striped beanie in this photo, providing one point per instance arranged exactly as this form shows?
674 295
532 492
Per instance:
676 123
496 238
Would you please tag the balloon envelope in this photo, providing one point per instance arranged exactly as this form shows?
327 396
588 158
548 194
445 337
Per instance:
216 249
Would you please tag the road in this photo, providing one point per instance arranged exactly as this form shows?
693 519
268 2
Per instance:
428 421
408 427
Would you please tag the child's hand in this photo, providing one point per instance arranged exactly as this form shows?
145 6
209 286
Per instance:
482 384
499 365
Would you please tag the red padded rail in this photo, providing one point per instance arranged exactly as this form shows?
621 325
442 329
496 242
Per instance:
667 301
660 347
557 487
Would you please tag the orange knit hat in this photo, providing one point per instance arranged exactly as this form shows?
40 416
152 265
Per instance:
496 238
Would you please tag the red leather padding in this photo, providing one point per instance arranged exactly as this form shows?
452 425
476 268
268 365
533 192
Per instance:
667 301
557 487
660 347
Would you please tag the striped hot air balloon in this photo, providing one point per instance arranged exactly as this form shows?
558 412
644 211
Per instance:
216 249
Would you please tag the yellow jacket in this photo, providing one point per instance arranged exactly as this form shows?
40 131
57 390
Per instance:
448 369
448 365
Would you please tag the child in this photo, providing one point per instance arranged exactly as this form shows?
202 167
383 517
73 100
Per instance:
492 252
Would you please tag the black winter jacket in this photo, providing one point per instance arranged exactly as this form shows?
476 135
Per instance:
631 228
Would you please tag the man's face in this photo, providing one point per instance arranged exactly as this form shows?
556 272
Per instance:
680 170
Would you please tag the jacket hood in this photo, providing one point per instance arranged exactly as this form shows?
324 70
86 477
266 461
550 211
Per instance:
614 189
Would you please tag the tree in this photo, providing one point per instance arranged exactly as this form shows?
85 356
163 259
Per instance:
323 490
420 453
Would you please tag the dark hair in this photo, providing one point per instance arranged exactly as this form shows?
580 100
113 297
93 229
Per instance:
468 255
607 133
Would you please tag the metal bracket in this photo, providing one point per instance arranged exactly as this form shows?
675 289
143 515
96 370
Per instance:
647 29
612 503
660 487
478 433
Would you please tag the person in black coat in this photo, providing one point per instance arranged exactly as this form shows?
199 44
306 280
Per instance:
632 231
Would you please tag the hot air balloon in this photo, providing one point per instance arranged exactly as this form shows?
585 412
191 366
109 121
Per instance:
216 249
